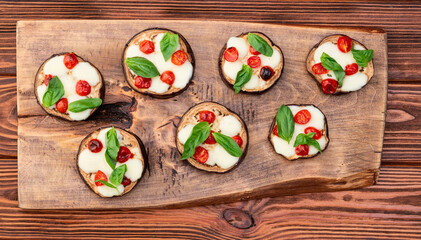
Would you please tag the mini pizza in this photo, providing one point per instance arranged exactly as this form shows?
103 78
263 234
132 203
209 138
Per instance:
340 64
299 131
158 62
211 137
69 87
250 62
111 161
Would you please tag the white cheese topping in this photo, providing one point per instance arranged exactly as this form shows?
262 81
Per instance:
317 121
219 156
91 162
230 126
182 73
232 68
350 83
69 78
185 133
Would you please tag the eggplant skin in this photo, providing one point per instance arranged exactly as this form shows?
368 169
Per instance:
201 166
55 113
303 157
152 94
228 84
310 56
145 160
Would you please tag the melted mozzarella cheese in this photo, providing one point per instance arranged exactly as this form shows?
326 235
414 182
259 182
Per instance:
133 51
240 44
317 121
158 86
80 115
185 133
253 83
69 86
182 74
110 192
232 68
350 83
134 168
55 66
91 162
230 126
41 89
85 71
219 156
272 61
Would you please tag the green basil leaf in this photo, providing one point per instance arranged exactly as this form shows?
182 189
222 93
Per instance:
55 91
285 123
83 104
107 184
198 135
113 146
228 144
142 67
313 142
111 162
117 175
169 44
243 76
331 64
259 44
362 57
303 139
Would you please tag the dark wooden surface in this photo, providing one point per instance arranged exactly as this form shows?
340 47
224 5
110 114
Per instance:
389 210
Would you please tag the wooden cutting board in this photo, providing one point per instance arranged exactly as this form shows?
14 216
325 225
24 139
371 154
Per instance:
47 146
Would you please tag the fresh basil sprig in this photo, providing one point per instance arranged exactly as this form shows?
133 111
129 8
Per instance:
228 144
111 162
55 91
107 184
285 123
331 64
113 145
117 175
259 44
142 67
83 104
168 45
243 76
362 57
198 135
307 139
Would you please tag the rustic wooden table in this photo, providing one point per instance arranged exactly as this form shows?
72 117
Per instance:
391 209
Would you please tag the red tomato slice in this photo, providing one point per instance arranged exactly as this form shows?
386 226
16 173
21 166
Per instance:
302 150
70 60
319 69
95 145
275 130
207 116
201 154
141 82
210 139
179 57
351 69
344 44
316 136
47 79
126 181
254 61
302 117
124 154
100 176
83 88
231 54
168 77
253 51
62 105
329 85
146 47
238 140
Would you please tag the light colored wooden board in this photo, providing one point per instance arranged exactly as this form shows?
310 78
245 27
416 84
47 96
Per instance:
47 146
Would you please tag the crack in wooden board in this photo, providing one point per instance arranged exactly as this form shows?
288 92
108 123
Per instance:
47 146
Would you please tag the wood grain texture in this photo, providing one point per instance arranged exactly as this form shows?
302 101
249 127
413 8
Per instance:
399 18
349 162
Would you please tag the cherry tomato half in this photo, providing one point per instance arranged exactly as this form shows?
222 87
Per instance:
168 77
316 136
179 57
124 154
70 60
126 181
266 72
329 85
302 150
238 140
254 61
210 139
351 69
100 176
141 82
146 47
201 154
47 79
344 44
231 54
62 105
253 51
302 117
95 145
319 69
275 130
83 88
207 116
